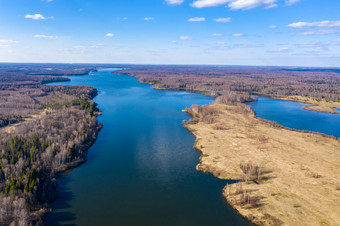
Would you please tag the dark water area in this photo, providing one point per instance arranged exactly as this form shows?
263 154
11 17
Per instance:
292 115
141 170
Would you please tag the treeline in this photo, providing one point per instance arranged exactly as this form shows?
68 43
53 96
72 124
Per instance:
217 80
34 152
18 103
32 155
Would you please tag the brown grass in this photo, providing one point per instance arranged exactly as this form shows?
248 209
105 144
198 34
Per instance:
300 172
320 105
11 128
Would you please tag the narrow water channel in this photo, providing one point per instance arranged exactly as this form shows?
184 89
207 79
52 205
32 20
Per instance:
292 115
141 170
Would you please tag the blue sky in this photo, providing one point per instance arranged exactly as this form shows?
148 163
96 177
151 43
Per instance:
228 32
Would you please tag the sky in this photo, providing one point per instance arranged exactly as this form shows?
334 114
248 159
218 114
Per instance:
217 32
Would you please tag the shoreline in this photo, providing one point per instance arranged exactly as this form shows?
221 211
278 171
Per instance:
258 214
75 163
219 163
37 212
310 103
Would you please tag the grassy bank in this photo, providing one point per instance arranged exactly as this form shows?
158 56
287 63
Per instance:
287 177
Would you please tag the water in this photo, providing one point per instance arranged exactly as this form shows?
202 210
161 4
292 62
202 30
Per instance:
292 115
141 170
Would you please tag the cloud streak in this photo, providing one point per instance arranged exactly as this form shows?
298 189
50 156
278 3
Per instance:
223 20
45 36
148 18
236 4
325 23
291 2
216 35
8 42
36 16
196 19
174 2
238 34
184 38
320 32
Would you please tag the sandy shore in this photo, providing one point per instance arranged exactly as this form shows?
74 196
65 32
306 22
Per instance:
299 179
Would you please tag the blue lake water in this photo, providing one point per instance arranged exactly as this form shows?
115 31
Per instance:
141 170
292 115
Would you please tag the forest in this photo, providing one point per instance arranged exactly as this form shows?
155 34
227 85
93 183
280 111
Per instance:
317 83
44 130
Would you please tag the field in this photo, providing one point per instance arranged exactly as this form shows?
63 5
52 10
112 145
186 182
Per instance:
287 177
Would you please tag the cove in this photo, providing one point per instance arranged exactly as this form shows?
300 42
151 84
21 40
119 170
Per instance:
141 170
291 114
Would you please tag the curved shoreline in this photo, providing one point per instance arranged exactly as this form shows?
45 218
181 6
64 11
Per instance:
245 138
210 160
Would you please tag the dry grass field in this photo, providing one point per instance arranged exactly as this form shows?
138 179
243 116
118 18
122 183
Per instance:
313 104
297 180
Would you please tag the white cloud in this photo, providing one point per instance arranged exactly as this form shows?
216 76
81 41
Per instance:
235 4
185 38
250 4
196 19
291 2
272 26
238 34
220 43
325 23
110 35
45 36
225 20
83 48
36 16
8 42
320 32
216 35
174 2
149 18
208 3
173 41
284 49
314 45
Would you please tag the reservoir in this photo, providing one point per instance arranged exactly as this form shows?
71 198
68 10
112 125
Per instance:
292 115
141 170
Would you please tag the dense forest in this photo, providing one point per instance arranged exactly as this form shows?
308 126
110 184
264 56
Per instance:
316 83
44 130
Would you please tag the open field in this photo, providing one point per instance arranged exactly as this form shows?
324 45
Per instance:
294 177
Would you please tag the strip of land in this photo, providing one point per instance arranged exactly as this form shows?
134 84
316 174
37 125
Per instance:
287 177
320 105
317 87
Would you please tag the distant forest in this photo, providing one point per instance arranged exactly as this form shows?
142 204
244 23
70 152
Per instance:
317 83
